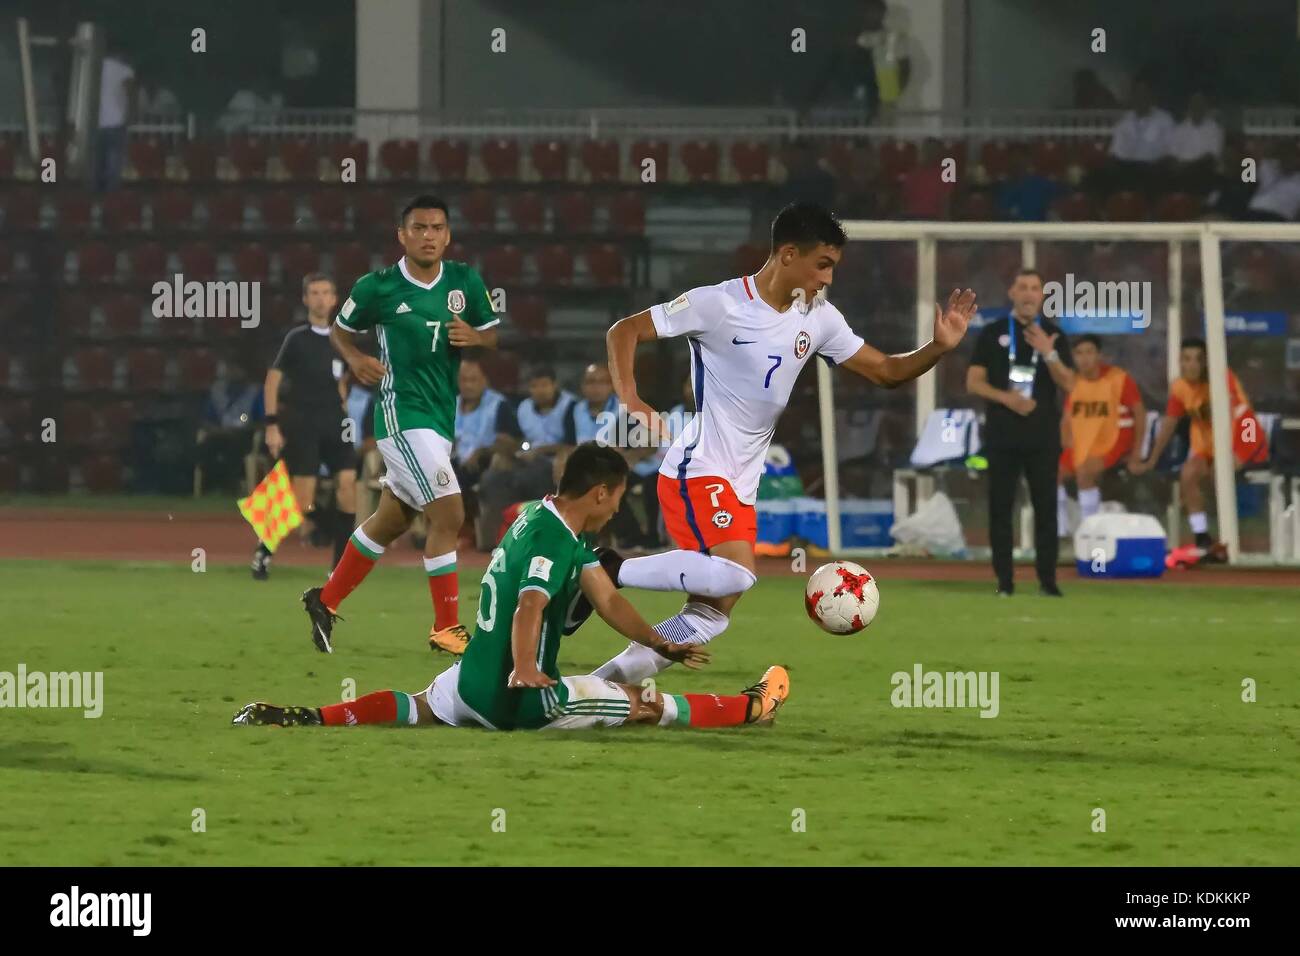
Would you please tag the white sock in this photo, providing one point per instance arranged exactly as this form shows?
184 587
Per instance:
689 571
1199 521
440 561
360 537
695 624
670 710
1062 513
1089 501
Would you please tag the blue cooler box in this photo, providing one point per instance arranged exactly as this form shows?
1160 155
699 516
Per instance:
776 520
864 522
1120 546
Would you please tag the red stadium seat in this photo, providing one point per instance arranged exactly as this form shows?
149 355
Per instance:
839 158
478 209
172 209
280 313
599 160
252 263
198 162
1076 207
73 314
146 160
550 159
500 157
605 265
527 313
52 474
749 160
956 149
329 209
976 207
298 159
113 425
89 370
627 214
450 159
147 263
528 212
896 157
400 159
225 211
21 208
96 262
356 150
641 150
502 369
197 261
1178 207
351 262
554 264
279 211
102 473
75 423
248 156
122 316
146 369
1090 154
1050 158
503 265
197 370
574 213
120 211
700 160
73 209
22 421
995 159
748 258
297 260
1126 207
375 211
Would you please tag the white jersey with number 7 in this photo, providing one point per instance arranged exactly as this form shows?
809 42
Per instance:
745 358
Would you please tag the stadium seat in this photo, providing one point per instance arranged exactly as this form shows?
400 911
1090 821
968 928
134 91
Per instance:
252 263
247 156
197 261
995 159
72 211
375 211
502 369
75 423
198 162
102 473
297 160
120 211
88 370
699 160
146 263
356 150
21 208
196 369
574 213
225 211
527 313
749 160
10 481
599 158
478 209
837 154
640 151
500 159
976 207
550 159
956 149
51 474
748 258
1178 207
896 157
400 159
627 214
554 264
503 264
605 265
72 315
96 262
297 260
351 262
22 421
329 209
1090 153
122 312
146 369
1126 207
1050 158
146 160
113 425
1076 207
528 212
450 159
278 211
173 208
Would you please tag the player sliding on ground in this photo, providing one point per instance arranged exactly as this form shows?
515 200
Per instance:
749 338
508 678
424 310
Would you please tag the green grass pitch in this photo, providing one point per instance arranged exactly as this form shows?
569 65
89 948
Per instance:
1125 697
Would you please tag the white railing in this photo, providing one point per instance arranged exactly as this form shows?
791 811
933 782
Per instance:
1208 235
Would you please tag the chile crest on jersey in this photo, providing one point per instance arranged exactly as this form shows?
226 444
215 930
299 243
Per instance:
802 343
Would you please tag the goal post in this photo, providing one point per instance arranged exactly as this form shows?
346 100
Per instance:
926 238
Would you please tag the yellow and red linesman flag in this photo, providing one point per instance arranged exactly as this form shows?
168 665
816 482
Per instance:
272 509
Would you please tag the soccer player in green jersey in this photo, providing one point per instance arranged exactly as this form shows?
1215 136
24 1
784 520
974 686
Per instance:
424 311
508 678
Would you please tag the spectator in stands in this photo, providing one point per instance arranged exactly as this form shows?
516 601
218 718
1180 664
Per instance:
891 56
1195 147
230 415
154 99
1139 144
485 423
925 193
806 179
526 471
1277 198
116 96
1026 195
868 72
1090 93
244 107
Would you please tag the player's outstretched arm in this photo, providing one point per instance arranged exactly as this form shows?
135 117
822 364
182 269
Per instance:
525 631
620 342
616 611
891 371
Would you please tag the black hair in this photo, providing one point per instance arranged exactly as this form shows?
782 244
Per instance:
591 464
1088 337
806 224
1193 342
422 201
540 371
1027 271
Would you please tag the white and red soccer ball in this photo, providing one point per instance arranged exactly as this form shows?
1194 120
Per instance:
841 597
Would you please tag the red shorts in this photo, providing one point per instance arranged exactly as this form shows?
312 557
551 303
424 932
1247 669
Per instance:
1119 451
702 512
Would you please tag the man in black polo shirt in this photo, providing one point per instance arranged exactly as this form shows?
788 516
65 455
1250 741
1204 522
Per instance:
1018 365
305 415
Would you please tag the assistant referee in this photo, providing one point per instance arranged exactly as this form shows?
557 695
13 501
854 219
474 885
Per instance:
1019 364
305 415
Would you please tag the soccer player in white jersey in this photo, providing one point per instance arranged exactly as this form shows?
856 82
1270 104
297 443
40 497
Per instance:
749 339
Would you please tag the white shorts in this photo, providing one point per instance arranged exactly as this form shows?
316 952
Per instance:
419 467
593 702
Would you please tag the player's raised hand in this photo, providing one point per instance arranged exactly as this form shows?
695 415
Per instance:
463 335
368 370
1038 340
693 656
530 677
950 324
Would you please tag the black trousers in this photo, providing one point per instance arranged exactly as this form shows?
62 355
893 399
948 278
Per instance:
1039 468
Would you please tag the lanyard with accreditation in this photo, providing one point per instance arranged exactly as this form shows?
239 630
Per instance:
1020 376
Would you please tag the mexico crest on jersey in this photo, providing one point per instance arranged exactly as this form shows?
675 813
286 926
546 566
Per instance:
802 343
456 301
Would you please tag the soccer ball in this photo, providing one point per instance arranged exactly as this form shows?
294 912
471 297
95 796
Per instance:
841 597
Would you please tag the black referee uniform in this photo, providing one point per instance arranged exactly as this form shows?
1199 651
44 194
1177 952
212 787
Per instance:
1016 444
